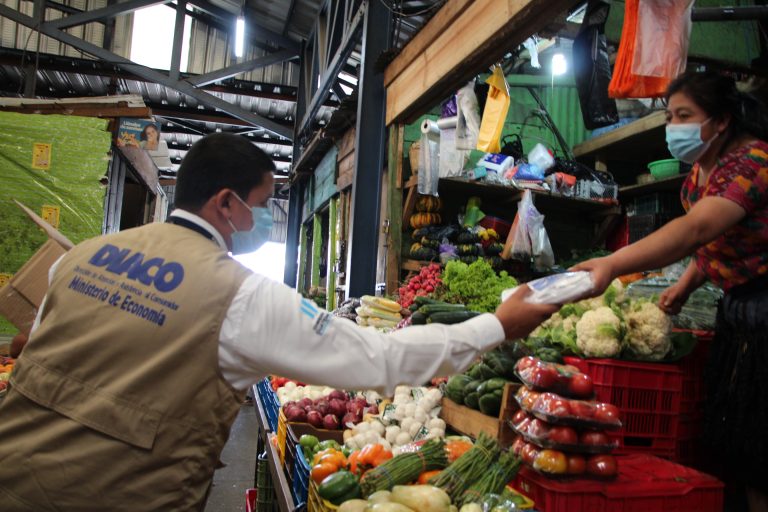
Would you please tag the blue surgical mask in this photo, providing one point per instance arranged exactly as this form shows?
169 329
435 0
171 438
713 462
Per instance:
244 242
684 141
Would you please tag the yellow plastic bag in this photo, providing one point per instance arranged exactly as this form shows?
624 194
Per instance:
495 113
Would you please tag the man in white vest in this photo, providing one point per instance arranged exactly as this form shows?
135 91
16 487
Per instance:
147 339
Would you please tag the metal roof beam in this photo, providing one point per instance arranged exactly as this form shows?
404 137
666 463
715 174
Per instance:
149 74
107 12
242 67
331 74
281 40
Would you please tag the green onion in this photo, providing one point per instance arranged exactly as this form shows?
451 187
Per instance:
468 468
405 468
493 481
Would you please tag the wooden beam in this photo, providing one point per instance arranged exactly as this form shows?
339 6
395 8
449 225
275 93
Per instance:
394 209
478 37
425 37
82 110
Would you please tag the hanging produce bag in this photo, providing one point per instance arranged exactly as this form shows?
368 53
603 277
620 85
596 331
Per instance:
528 239
468 122
651 51
592 69
495 113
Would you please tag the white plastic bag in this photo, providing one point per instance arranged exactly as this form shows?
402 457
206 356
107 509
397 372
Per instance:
468 122
661 42
557 288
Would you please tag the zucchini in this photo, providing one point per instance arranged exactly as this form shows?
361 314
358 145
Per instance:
441 308
422 301
451 317
418 318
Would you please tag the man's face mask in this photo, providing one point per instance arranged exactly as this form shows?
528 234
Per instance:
249 241
684 141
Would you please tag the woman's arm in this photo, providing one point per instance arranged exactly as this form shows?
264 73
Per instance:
707 220
673 298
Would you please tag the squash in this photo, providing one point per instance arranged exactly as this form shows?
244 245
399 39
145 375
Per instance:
428 204
431 244
423 219
468 249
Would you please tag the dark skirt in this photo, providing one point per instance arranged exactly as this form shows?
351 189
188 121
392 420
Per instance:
736 412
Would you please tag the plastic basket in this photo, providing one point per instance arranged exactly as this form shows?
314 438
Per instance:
644 483
648 396
269 402
658 202
640 226
664 168
299 477
317 504
282 431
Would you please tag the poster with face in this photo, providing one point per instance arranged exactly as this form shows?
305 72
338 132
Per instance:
143 133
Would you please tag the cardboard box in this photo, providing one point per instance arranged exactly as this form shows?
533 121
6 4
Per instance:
24 293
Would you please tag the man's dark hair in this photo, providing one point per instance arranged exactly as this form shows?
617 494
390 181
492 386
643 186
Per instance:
717 95
217 161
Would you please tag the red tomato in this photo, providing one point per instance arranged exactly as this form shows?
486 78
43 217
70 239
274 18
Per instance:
538 428
606 413
529 400
543 400
559 407
593 438
563 435
519 416
576 464
524 425
551 461
581 409
602 465
581 385
543 377
529 453
525 362
517 445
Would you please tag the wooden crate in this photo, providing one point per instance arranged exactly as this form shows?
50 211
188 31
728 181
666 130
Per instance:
471 422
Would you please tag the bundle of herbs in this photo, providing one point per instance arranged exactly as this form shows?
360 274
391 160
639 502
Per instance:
468 468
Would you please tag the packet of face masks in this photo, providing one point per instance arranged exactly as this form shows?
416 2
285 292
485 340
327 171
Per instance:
556 289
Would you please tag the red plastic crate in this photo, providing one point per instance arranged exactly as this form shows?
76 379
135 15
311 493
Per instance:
501 226
648 396
250 500
692 367
645 483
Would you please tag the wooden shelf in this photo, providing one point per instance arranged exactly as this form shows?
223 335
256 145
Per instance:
672 184
627 142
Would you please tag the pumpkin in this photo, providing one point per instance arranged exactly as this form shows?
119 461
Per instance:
423 219
428 204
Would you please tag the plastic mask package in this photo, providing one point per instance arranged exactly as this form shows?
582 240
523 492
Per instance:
557 288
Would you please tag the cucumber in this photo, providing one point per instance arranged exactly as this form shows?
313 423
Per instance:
441 308
418 318
451 317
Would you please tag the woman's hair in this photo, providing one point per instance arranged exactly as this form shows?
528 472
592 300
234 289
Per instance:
218 161
718 96
143 135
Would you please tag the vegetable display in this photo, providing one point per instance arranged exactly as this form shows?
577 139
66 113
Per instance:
565 380
405 468
478 284
494 479
422 284
557 410
330 412
556 463
468 468
561 437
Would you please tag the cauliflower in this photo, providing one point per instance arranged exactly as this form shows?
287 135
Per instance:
648 330
599 333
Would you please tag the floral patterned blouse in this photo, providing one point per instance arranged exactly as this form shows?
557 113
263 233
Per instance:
741 253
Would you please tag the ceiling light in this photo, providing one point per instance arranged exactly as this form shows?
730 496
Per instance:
559 64
239 36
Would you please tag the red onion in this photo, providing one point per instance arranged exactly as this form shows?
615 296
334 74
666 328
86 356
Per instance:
337 407
331 422
315 419
337 394
295 413
322 405
349 420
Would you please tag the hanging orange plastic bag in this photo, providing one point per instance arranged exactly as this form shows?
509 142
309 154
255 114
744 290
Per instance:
495 112
653 47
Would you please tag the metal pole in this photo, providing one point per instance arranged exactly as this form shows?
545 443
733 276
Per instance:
290 272
369 155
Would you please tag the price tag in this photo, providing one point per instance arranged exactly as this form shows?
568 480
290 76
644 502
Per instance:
41 156
389 415
51 214
421 434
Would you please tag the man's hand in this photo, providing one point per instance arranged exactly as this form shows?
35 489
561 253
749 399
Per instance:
17 344
519 318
